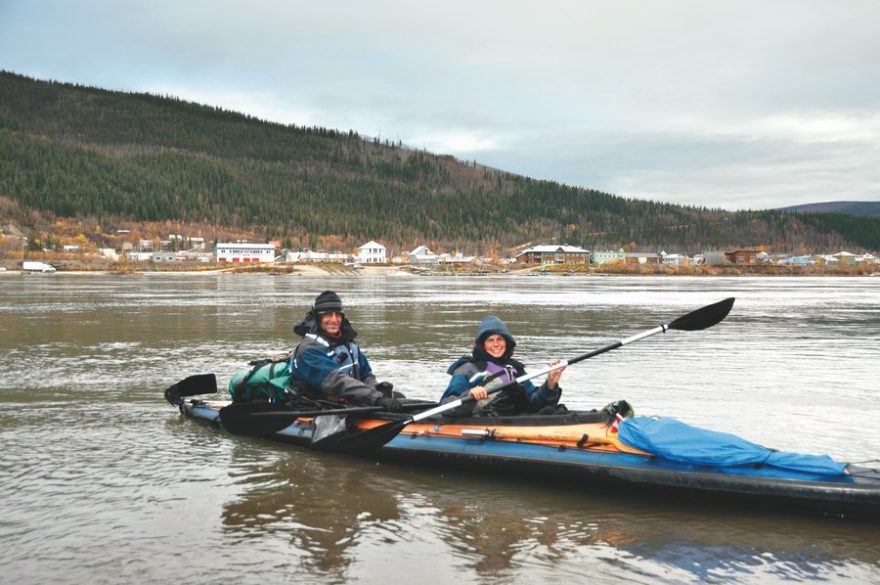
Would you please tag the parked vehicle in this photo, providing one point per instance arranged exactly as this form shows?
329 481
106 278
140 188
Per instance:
30 266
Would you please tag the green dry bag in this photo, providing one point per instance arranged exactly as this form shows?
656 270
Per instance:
266 380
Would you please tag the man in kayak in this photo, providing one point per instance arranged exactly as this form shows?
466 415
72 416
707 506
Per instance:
492 356
327 364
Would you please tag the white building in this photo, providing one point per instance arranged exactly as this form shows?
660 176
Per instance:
423 255
139 256
372 253
609 256
671 259
244 253
310 256
109 254
164 257
457 258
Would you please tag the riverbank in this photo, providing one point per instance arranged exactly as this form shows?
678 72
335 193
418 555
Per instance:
332 269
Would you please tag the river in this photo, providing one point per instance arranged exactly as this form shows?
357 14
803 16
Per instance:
104 482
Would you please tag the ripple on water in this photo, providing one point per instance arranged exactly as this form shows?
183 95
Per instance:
104 482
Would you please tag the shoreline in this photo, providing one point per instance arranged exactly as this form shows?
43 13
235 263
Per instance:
310 270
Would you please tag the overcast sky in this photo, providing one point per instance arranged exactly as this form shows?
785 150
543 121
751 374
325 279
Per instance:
735 104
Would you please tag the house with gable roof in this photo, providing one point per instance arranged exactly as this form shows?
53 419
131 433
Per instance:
423 255
372 253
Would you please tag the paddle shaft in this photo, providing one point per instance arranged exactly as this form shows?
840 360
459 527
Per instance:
563 363
701 318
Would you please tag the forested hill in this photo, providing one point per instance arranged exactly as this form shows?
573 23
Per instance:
847 207
69 151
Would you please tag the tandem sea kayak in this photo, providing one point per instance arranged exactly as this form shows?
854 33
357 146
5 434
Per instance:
601 450
607 448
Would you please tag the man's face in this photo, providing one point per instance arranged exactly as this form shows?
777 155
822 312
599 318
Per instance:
331 323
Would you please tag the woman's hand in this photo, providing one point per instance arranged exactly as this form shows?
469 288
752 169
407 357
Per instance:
553 377
479 393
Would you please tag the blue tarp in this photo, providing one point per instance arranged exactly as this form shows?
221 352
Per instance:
677 441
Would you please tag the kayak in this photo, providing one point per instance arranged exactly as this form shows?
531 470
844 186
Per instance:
608 448
586 450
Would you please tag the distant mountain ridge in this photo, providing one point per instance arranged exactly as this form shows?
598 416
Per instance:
860 208
109 159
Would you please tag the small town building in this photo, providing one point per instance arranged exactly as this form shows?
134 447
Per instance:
743 257
642 258
672 259
797 261
422 255
244 252
311 256
553 254
139 256
164 257
458 258
712 258
609 256
845 258
372 253
109 254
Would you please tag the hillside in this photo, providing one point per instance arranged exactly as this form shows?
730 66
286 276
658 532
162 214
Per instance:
100 160
862 208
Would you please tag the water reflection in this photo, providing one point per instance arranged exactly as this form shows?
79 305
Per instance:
319 507
336 513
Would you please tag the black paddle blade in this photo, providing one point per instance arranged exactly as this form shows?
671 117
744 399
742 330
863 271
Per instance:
704 317
191 386
362 442
256 418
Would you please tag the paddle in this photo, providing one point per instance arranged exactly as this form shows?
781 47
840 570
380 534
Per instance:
265 418
371 439
191 386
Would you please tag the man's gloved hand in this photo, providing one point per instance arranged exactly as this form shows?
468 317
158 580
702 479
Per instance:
389 404
385 388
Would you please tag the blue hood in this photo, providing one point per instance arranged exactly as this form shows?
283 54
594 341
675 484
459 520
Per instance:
490 326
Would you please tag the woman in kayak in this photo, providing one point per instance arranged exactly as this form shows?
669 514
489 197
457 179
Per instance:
328 365
491 357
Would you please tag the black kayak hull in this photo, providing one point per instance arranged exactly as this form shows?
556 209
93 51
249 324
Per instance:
855 496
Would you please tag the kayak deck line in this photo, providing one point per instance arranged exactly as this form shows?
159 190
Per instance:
575 435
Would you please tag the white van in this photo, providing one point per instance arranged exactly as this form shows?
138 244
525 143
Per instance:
30 266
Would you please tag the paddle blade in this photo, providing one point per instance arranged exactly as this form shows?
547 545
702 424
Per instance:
362 442
191 386
256 418
704 317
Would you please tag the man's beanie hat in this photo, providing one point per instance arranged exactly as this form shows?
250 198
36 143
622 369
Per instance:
327 302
